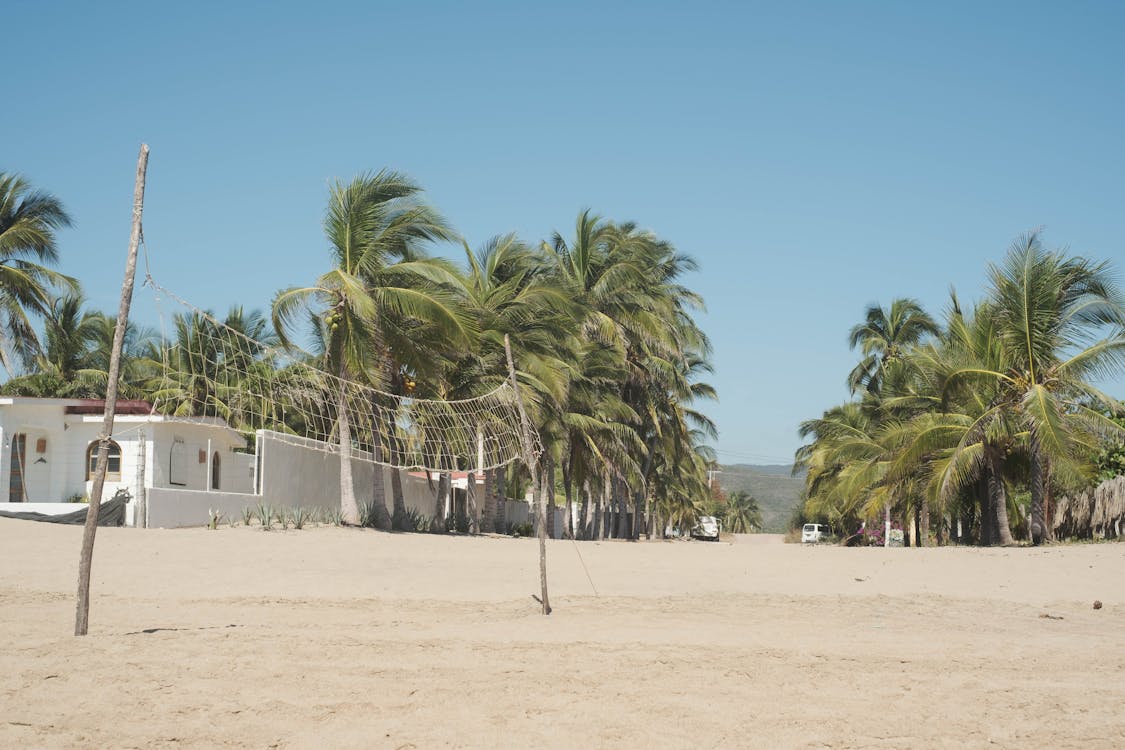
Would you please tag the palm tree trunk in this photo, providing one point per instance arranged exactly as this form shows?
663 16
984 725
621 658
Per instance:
398 502
441 492
437 523
550 491
612 513
622 509
501 522
568 518
987 516
585 519
398 499
349 509
378 482
997 495
887 525
599 510
379 498
488 516
905 522
642 491
1048 506
1038 490
608 515
471 502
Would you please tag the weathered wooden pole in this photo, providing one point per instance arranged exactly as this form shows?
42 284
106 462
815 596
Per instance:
82 616
532 462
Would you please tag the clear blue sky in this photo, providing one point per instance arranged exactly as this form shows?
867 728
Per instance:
813 157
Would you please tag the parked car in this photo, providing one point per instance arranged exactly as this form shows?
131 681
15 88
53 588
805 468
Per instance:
706 528
814 533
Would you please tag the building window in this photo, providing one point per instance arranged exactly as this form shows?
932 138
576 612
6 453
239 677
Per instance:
178 464
113 467
216 464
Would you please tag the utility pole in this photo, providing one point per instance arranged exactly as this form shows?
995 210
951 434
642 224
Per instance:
82 615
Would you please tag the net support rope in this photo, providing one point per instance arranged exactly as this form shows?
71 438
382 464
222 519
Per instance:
212 370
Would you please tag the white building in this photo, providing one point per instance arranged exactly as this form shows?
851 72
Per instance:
49 446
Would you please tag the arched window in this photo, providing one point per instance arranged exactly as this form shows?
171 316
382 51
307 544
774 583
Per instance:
216 465
113 466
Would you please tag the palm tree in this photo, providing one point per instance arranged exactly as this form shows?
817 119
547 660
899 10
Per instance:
28 222
63 368
376 227
885 336
189 376
742 515
1060 320
846 463
509 294
632 310
967 433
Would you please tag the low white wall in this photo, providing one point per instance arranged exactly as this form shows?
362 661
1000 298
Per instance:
171 509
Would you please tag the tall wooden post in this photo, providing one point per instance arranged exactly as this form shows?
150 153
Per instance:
81 620
532 462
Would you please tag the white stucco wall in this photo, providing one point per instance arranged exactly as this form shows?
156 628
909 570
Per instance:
294 475
176 508
181 454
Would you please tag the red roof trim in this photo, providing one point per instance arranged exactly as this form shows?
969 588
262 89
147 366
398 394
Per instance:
97 406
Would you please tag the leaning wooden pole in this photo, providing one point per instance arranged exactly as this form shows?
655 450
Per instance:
82 616
532 461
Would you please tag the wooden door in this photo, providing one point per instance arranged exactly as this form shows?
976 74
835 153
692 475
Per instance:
16 492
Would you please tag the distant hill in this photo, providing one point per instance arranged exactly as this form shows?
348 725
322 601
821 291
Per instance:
777 492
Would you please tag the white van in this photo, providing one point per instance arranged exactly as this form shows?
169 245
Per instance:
707 528
812 533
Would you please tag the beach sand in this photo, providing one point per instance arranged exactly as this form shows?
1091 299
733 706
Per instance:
334 637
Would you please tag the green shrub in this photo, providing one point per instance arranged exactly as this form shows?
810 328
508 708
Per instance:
367 516
410 519
520 529
265 516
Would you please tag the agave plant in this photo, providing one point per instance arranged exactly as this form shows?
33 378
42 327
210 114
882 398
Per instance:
300 516
265 516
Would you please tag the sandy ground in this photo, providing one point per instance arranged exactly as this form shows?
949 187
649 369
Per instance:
348 638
